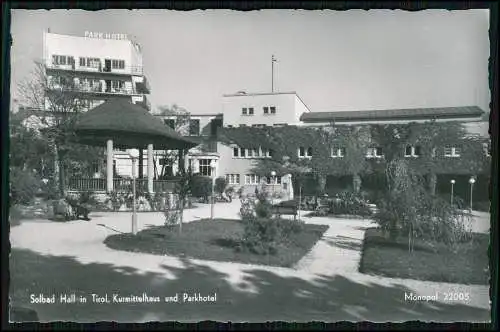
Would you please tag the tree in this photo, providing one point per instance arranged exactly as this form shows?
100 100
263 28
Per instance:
59 101
181 125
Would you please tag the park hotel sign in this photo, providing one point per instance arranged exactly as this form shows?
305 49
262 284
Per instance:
106 35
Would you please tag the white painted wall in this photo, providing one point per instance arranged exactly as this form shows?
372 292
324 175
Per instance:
76 46
285 104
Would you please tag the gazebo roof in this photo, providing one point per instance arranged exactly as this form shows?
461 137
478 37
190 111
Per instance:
129 126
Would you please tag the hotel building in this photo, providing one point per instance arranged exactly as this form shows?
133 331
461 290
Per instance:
93 68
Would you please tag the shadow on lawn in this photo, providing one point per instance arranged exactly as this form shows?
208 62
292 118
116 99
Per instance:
274 297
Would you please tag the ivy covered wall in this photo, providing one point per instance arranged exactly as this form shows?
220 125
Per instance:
431 138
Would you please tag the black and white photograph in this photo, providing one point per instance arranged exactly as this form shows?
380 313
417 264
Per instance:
249 166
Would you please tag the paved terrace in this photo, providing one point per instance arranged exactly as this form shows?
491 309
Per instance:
324 285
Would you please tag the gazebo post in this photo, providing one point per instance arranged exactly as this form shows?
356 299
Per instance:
109 166
150 169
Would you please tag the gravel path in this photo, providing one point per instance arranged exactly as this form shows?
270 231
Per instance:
334 257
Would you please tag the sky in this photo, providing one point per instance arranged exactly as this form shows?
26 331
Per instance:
334 60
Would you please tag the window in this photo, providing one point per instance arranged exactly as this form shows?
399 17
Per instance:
338 152
194 127
250 111
273 110
249 153
451 151
258 125
374 152
169 122
236 152
270 153
117 86
251 179
233 178
266 110
305 153
256 152
82 62
205 167
277 179
242 153
412 151
118 64
302 152
62 60
244 111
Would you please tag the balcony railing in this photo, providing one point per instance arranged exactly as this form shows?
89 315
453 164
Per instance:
119 185
127 70
96 89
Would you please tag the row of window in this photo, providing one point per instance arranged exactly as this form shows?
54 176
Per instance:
260 125
377 152
88 62
252 153
265 109
234 179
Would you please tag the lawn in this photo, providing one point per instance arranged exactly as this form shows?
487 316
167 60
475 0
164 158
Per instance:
214 240
432 262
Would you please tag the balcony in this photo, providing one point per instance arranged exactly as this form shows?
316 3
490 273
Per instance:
99 69
143 85
97 90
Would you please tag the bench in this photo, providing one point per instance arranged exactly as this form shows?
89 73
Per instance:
279 210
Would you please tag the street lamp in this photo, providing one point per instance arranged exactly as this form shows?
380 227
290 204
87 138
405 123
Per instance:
471 182
273 177
212 173
134 154
452 184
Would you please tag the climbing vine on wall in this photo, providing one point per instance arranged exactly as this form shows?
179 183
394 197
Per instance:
431 137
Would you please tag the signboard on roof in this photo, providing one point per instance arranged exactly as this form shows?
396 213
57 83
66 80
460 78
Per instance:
106 35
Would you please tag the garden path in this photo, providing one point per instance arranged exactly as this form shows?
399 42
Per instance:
333 259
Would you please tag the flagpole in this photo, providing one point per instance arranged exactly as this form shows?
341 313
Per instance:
272 73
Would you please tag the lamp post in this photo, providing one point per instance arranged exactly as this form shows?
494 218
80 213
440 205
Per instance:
452 184
212 173
273 177
134 154
471 182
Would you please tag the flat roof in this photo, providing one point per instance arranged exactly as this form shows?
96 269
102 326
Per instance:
394 114
190 114
243 94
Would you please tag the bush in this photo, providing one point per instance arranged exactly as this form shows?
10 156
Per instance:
220 185
24 185
262 232
411 210
201 186
349 203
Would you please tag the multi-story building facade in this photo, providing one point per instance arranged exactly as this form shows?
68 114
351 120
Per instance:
93 68
99 66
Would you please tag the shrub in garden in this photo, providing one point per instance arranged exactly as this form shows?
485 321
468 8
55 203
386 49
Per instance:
201 186
349 203
220 185
24 185
409 209
262 232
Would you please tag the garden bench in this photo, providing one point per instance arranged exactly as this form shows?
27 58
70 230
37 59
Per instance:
285 210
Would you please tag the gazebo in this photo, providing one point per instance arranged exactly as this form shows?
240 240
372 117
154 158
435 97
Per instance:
118 123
